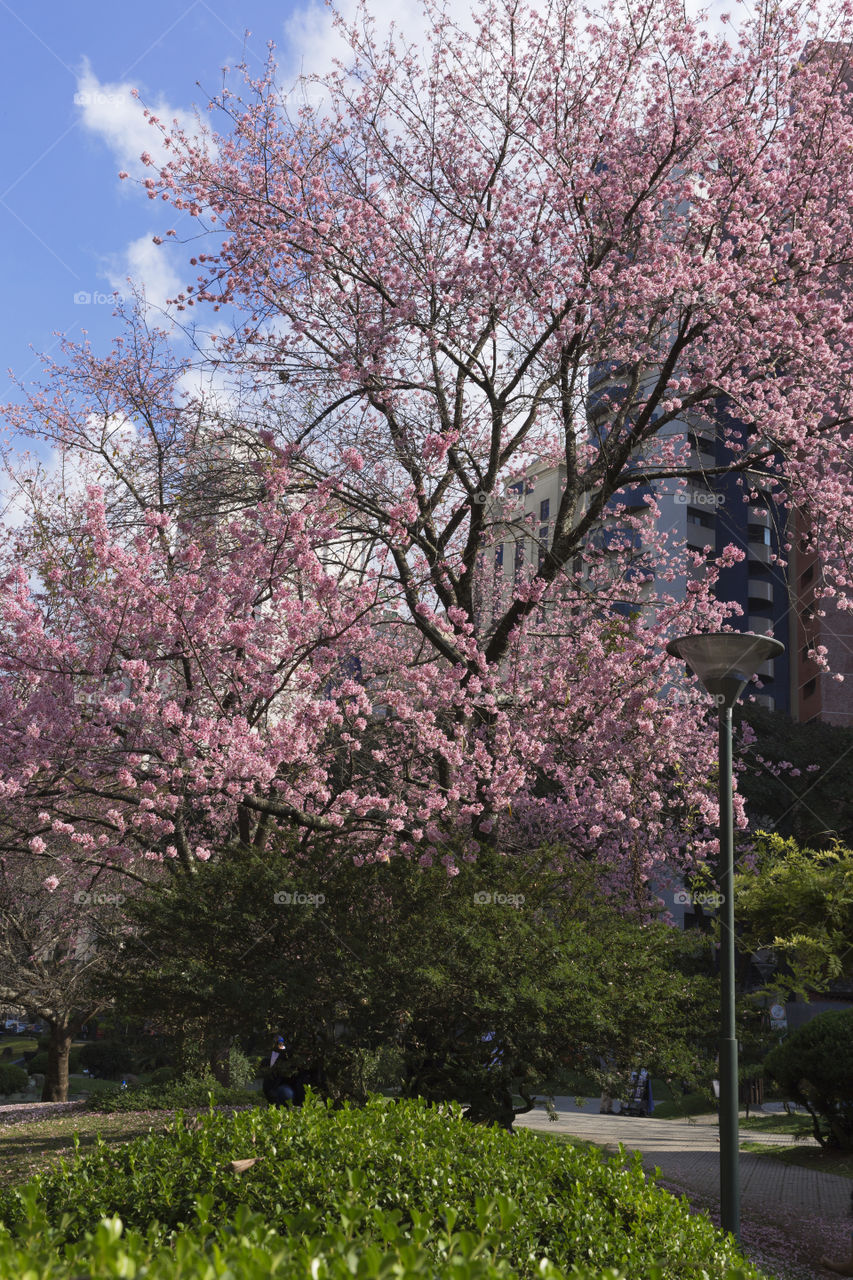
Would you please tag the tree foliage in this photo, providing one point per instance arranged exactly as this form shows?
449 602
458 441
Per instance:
798 903
812 1065
486 982
539 238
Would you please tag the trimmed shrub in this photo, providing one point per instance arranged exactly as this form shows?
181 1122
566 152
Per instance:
812 1065
12 1079
240 1070
249 1249
400 1167
171 1096
163 1075
106 1058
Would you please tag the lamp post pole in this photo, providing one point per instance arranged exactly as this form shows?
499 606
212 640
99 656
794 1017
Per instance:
729 1099
725 662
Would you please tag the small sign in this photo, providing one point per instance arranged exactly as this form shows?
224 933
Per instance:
778 1017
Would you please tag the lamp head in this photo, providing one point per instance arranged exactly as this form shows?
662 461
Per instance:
725 661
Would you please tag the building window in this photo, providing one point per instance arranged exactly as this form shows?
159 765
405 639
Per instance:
806 577
499 555
809 687
519 556
544 508
695 516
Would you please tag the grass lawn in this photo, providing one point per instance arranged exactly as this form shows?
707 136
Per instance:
19 1045
689 1104
780 1122
26 1149
78 1084
840 1162
800 1125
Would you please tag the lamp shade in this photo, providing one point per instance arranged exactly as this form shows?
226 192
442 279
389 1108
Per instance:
725 661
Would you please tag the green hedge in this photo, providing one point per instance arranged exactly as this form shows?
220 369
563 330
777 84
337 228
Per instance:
391 1167
12 1079
105 1058
812 1066
170 1096
248 1249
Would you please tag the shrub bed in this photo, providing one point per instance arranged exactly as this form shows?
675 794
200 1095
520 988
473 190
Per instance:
105 1058
170 1096
812 1066
12 1079
393 1177
248 1249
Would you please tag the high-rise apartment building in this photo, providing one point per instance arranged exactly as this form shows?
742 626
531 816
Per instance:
706 516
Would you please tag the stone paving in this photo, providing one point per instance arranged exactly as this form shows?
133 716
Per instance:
687 1155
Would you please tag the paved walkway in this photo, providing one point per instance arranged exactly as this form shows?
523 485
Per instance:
813 1207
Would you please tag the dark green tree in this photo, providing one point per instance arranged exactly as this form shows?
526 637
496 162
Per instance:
483 982
812 1065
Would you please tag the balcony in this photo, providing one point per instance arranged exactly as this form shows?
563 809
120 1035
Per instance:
759 551
759 590
766 670
765 700
761 626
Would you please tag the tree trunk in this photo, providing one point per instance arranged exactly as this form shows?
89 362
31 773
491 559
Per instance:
56 1080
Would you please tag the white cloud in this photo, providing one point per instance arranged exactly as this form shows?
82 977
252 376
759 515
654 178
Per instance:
149 268
27 479
111 111
313 43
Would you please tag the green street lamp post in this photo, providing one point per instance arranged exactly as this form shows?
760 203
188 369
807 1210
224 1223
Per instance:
725 662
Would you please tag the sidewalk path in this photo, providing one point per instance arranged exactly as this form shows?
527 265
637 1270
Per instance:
809 1208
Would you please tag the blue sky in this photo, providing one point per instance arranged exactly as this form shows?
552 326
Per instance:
71 231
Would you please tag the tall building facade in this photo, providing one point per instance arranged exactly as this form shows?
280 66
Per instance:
706 516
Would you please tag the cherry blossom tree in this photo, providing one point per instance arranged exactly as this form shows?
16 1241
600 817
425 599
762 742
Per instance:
60 935
185 663
554 237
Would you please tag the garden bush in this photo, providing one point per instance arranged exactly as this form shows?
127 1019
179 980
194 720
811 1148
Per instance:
249 1249
240 1070
12 1079
162 1075
399 1167
106 1058
812 1066
170 1096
